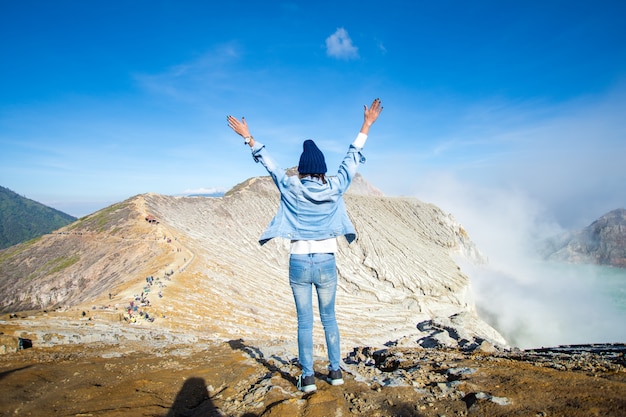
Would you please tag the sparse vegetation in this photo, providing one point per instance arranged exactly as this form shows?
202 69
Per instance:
17 249
61 263
103 219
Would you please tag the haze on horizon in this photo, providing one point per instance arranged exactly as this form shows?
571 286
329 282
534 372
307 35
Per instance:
105 100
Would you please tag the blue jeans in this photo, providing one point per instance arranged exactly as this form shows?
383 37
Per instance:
306 271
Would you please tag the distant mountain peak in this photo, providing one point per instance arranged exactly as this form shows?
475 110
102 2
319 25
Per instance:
603 242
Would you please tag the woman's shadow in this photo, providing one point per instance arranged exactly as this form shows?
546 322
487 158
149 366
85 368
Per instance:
193 401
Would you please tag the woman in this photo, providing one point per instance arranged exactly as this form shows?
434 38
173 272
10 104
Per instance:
312 214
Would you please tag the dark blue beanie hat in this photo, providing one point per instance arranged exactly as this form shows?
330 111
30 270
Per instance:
312 159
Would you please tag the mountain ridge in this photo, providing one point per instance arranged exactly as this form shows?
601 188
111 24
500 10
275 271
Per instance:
218 280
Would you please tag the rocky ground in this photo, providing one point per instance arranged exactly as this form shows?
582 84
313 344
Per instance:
221 336
146 373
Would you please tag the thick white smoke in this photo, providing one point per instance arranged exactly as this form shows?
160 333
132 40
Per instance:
531 302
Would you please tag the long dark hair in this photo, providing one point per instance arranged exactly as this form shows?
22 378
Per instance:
321 177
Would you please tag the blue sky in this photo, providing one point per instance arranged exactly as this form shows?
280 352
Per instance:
488 106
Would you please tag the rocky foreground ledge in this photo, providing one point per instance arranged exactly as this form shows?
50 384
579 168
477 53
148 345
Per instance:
144 376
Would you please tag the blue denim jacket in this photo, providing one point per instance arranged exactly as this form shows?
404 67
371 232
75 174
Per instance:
309 209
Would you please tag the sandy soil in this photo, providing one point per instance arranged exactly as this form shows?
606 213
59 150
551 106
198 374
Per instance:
236 378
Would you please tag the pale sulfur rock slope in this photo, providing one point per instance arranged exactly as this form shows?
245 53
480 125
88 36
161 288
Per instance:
399 273
398 282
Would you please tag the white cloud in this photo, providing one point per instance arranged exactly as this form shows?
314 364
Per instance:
566 156
381 47
339 45
191 80
204 190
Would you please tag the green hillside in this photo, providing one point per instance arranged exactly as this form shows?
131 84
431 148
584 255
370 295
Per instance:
22 219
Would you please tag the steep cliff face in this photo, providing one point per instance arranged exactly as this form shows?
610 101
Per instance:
603 242
398 275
